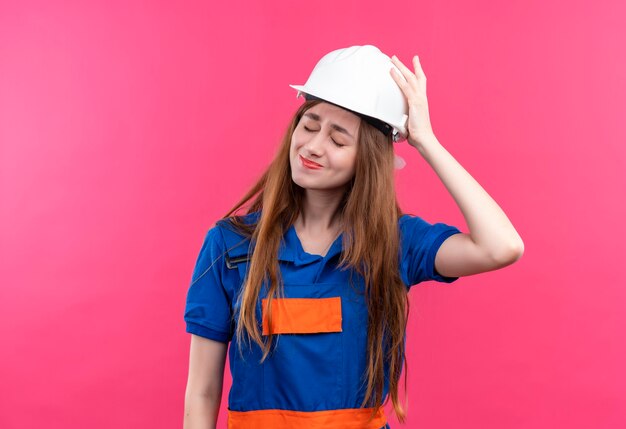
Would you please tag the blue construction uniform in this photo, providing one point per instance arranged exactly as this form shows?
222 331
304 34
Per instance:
309 372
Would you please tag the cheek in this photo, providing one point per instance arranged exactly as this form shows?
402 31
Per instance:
347 161
292 147
295 144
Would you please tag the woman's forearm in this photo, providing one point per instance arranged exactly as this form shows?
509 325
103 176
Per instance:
201 411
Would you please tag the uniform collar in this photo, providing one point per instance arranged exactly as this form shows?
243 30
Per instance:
291 249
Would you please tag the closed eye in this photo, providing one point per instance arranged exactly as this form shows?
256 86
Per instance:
336 144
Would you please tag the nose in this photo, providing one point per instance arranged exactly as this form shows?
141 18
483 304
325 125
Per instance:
315 144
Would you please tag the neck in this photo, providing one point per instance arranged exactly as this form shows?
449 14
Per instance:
319 211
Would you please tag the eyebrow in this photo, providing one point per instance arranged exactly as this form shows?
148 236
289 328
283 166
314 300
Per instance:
333 126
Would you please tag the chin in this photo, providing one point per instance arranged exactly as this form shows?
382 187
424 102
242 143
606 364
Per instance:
317 186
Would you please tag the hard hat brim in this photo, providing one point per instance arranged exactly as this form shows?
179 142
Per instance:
399 134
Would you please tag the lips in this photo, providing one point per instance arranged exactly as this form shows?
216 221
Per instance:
308 163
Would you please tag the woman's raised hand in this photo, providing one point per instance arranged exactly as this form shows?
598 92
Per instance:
414 89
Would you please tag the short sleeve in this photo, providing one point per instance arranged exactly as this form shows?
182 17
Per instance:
208 309
420 242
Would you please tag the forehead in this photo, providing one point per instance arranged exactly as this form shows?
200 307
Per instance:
325 112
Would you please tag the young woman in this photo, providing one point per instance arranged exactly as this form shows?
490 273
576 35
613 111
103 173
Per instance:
310 282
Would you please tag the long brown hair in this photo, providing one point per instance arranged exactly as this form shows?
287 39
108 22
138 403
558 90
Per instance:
370 247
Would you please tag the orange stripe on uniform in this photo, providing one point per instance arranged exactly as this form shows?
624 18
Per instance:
349 418
303 315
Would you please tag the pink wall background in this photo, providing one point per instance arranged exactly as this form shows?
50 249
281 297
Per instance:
128 128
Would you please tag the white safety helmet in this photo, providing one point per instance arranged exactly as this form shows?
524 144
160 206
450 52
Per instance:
358 79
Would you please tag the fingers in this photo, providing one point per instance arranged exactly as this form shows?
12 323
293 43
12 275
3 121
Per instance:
403 69
413 83
406 72
418 68
402 83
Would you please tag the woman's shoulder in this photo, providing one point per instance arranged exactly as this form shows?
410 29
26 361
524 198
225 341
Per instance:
235 240
407 220
229 223
416 227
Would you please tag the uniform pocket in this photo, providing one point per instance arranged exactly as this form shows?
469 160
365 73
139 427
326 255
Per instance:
303 371
303 315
